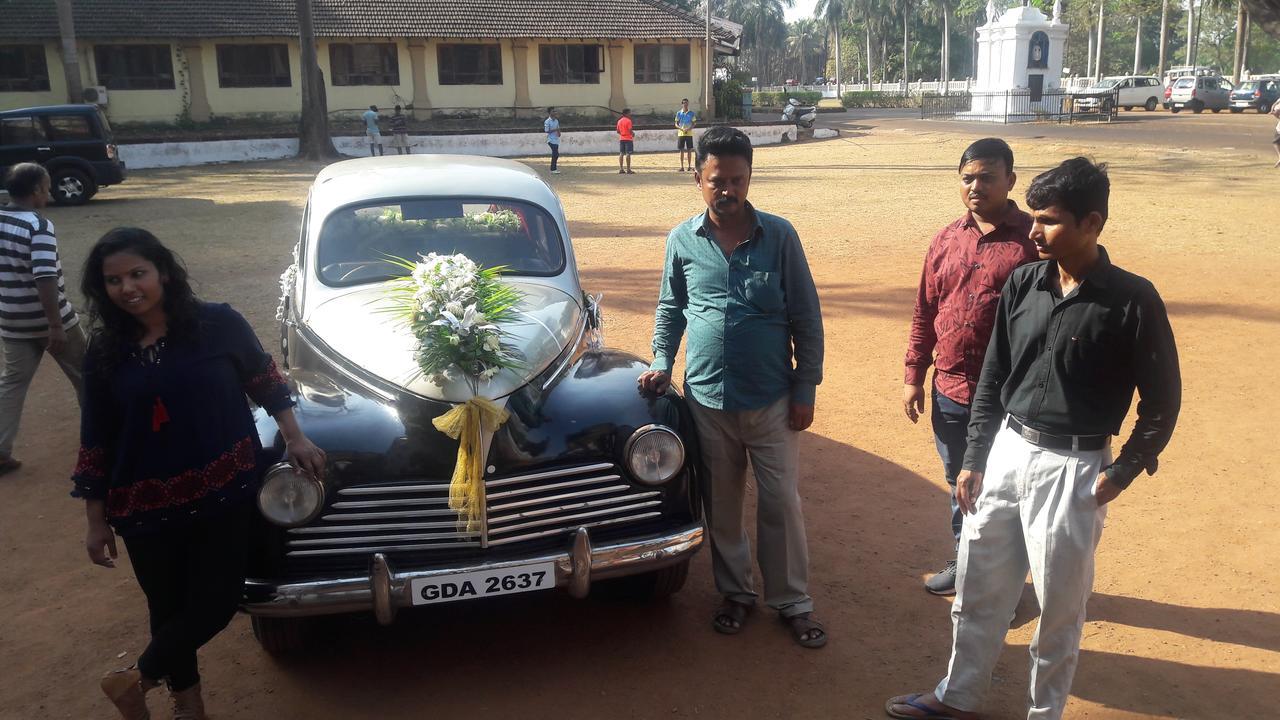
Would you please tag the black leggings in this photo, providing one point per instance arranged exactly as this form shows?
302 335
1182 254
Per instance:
193 578
555 154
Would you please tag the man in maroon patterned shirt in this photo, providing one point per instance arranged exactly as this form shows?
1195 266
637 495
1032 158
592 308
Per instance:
964 271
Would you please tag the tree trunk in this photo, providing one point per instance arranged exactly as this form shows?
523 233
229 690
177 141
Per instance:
1088 71
946 49
70 58
1191 27
1137 46
314 142
867 26
1238 57
1164 36
1248 30
1097 67
906 50
838 95
1195 43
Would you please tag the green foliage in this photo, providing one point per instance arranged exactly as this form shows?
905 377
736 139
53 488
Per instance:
863 99
778 99
729 97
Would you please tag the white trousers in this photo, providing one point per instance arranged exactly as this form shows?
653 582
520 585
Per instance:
1037 511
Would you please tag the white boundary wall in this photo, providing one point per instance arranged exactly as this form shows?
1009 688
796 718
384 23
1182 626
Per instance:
181 154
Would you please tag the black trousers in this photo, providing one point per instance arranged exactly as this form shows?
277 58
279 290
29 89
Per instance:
193 578
555 154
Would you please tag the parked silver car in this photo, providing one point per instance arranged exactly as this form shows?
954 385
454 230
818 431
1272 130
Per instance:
1198 93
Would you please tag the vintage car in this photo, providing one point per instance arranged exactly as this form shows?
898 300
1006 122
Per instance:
587 481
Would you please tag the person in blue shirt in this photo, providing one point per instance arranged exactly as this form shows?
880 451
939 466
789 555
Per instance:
737 281
685 120
372 132
551 126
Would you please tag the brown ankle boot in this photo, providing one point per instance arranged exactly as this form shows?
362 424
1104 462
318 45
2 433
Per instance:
187 704
127 690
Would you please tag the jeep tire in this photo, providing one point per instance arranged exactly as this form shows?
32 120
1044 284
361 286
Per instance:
654 585
281 637
72 186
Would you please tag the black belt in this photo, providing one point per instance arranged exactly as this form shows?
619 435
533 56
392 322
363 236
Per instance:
1058 442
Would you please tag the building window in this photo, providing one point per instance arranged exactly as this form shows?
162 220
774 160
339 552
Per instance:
134 67
250 66
570 64
23 68
364 64
470 64
662 63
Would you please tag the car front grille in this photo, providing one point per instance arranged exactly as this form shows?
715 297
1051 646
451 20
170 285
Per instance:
410 517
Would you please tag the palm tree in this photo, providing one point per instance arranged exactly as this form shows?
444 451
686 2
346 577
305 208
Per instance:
941 10
907 7
802 41
832 13
314 141
70 59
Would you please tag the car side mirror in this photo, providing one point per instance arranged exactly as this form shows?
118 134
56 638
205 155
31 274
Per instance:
595 321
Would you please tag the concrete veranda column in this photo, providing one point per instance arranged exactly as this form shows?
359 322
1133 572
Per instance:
617 98
418 61
194 54
520 60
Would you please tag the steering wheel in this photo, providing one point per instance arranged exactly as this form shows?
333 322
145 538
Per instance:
347 270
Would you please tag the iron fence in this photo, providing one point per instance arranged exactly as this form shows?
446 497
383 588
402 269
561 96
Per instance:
1056 105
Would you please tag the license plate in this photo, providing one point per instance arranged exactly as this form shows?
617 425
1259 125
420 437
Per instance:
483 583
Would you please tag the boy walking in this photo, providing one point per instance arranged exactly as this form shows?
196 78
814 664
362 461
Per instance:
400 132
626 141
1074 336
965 268
372 132
551 126
685 120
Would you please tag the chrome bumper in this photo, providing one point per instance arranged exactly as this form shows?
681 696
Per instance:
385 590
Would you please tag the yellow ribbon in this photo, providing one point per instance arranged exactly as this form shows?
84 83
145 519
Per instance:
464 423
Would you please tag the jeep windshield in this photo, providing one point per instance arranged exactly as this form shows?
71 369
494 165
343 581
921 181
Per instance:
361 243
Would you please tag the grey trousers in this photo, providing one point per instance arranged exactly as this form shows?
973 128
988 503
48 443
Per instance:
21 359
728 440
1036 511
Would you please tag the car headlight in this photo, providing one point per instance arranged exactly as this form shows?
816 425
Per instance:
654 454
289 498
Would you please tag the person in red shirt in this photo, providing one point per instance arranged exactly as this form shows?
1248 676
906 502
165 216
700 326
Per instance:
965 269
626 142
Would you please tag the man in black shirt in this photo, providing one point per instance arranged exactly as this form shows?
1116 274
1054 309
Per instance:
1074 336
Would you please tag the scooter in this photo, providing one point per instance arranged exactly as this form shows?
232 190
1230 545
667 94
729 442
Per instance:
794 112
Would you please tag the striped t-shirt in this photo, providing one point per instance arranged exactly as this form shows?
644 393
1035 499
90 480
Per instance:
28 250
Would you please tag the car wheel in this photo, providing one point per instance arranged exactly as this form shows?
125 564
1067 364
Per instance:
1107 107
1151 105
281 636
1236 111
72 187
1263 109
1127 108
648 586
1175 109
1217 110
1197 107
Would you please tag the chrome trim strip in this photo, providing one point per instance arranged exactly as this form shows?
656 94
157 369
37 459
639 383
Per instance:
575 506
356 594
390 489
376 548
553 531
554 486
548 474
570 518
323 542
390 515
317 529
391 503
497 509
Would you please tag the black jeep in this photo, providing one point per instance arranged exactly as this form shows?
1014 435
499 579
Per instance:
73 142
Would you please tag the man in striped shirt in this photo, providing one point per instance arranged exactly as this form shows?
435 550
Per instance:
35 316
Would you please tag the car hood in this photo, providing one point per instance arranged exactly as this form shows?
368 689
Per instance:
355 326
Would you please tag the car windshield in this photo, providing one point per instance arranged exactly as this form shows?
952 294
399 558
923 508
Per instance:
1250 85
1185 82
1108 82
359 244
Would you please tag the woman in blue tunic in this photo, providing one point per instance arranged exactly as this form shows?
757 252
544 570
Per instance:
170 459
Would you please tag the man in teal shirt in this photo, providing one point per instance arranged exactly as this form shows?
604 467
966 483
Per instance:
737 281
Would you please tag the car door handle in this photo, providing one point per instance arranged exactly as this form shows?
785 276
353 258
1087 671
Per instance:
44 149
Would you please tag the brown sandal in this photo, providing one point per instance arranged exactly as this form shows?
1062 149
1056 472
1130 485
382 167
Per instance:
127 690
730 617
807 631
8 465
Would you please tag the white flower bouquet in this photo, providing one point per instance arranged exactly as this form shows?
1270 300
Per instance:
456 310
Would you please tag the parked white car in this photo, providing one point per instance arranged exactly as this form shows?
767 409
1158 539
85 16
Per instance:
1198 93
1126 91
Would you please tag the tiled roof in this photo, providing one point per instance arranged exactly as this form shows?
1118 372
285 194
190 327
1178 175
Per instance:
121 19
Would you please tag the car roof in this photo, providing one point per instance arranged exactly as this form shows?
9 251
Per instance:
50 110
377 178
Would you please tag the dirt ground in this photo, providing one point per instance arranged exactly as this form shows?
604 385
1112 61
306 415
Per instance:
1184 620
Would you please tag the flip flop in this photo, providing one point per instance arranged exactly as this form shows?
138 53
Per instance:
801 625
9 465
928 713
730 610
